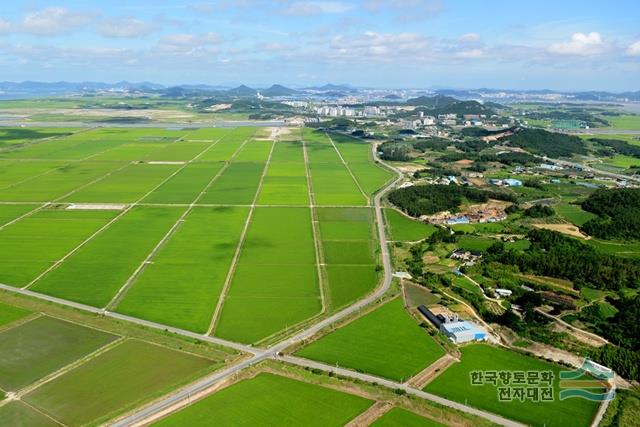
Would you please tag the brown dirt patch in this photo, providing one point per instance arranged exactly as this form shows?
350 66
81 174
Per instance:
568 229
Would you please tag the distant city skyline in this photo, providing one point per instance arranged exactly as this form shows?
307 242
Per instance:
566 46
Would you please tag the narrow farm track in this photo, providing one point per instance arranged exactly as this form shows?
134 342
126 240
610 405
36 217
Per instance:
322 282
346 165
273 352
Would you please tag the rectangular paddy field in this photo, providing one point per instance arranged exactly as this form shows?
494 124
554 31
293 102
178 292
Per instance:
182 286
33 244
97 270
39 347
276 269
269 399
115 381
136 246
402 228
454 383
348 246
370 342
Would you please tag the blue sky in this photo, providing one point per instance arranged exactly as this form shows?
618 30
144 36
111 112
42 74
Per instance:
561 44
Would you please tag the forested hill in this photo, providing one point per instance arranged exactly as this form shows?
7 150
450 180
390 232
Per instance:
430 199
618 213
440 104
555 255
542 142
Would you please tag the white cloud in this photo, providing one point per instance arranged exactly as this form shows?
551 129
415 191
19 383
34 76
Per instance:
310 8
470 38
5 26
580 45
53 21
470 54
124 27
371 45
634 49
406 10
274 47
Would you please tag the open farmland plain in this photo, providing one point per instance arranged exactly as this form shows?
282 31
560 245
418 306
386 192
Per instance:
195 261
241 233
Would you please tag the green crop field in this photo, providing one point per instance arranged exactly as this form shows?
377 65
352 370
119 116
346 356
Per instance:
475 243
10 313
627 122
371 342
9 213
58 183
455 384
285 184
332 185
33 244
186 185
34 349
276 269
358 154
255 151
117 380
11 136
348 250
182 286
94 274
126 185
237 185
269 399
17 413
398 417
405 229
573 213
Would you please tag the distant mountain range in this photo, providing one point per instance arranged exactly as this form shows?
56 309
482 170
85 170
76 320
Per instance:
34 88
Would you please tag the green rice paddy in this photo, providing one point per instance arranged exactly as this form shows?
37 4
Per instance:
276 269
269 399
35 349
378 343
405 229
115 381
10 313
454 383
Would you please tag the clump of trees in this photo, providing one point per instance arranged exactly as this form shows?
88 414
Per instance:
539 211
551 144
555 255
394 151
429 199
618 213
620 147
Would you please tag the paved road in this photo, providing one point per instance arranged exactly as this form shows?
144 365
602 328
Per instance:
594 171
99 311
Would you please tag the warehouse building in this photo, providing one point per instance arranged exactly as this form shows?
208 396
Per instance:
458 331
